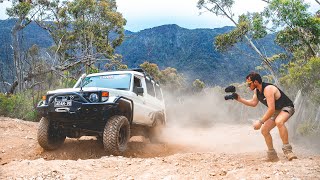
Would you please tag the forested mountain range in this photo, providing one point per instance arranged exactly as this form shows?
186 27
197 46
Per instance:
191 52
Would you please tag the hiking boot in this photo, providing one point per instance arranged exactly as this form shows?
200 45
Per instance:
287 150
272 156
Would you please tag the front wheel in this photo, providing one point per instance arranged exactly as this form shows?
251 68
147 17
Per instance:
116 135
49 138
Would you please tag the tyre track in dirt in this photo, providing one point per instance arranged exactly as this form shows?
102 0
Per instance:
193 154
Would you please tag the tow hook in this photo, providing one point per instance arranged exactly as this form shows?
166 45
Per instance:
62 109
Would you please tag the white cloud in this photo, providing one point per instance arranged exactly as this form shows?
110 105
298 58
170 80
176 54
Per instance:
5 4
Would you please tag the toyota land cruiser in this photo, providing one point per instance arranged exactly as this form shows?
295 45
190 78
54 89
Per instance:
113 106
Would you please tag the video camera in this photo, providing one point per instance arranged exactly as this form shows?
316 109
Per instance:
231 89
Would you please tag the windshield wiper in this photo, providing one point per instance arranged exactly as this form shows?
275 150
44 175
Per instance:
121 88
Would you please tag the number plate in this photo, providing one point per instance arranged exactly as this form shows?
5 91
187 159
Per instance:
62 103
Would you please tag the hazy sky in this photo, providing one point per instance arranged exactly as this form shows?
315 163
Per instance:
142 14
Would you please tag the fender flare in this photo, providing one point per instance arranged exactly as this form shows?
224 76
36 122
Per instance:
125 99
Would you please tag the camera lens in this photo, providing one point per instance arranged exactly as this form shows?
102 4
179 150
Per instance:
227 97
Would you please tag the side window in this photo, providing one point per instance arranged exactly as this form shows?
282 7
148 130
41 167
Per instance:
150 88
158 92
136 83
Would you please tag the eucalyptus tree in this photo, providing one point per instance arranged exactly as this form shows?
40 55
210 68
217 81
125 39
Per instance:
21 12
170 79
173 80
115 63
152 69
299 34
83 31
299 29
247 27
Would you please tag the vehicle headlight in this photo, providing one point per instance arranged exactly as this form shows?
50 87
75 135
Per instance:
94 97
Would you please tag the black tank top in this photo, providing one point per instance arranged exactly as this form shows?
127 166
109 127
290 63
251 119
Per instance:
283 101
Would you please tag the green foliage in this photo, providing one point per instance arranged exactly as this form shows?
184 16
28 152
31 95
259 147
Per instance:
169 78
225 41
250 24
19 106
285 12
277 57
152 69
172 80
258 27
68 81
6 104
306 75
19 9
31 115
198 85
218 5
115 63
97 29
301 30
92 69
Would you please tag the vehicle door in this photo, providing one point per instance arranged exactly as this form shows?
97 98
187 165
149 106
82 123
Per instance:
141 110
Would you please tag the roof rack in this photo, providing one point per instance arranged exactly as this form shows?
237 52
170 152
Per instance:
143 72
138 70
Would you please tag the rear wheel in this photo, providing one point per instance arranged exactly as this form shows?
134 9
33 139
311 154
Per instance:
116 135
156 130
49 138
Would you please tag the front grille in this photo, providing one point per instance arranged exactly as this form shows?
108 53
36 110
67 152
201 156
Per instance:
71 97
64 98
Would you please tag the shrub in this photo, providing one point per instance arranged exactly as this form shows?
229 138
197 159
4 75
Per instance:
6 104
20 106
306 129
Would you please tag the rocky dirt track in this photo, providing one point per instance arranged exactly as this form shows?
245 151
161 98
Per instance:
225 152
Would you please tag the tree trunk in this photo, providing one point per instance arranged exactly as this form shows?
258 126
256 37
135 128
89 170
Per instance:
265 60
16 53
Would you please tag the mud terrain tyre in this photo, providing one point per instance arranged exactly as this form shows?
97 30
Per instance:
48 137
116 135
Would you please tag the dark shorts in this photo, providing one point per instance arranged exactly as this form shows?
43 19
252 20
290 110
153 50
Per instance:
287 109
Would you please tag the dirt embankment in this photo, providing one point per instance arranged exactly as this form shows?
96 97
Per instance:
225 151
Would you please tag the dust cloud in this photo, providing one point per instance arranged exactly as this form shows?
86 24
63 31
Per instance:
207 122
304 125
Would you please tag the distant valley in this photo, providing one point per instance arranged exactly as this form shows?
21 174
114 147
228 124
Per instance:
191 52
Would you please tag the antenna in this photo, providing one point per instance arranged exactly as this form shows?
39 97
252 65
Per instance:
81 81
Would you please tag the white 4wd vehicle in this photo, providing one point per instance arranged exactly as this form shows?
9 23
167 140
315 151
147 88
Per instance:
113 106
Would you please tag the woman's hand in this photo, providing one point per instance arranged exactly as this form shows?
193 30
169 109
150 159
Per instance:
257 125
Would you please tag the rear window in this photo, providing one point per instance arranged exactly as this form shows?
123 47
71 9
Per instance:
150 88
158 92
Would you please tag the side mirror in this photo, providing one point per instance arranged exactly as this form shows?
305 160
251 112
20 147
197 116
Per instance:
139 90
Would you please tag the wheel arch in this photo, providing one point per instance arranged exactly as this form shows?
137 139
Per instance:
125 107
159 116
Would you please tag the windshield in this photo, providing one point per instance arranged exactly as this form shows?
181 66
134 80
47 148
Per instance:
113 81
